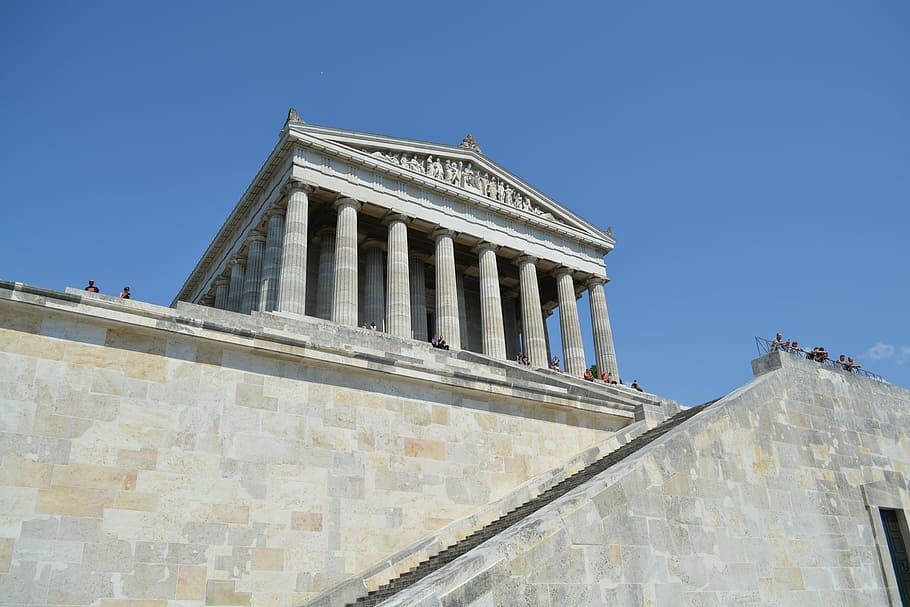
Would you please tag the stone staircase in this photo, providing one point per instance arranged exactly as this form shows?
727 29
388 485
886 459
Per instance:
451 553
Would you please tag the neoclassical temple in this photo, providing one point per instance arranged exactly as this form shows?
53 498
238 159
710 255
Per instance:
418 239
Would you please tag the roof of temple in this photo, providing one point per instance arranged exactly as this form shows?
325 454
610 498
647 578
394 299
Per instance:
458 172
470 171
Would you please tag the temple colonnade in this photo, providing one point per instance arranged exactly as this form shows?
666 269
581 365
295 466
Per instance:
271 274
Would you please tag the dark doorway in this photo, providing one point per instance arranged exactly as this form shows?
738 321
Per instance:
897 546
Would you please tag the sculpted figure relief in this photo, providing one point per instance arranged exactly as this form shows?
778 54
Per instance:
434 168
451 175
463 175
469 179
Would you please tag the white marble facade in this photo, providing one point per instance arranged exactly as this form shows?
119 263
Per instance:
345 225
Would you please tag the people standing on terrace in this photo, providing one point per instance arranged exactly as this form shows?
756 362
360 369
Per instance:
779 343
818 354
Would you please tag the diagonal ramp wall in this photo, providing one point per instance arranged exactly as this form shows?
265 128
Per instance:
770 496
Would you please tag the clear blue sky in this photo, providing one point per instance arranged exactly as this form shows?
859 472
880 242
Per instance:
752 158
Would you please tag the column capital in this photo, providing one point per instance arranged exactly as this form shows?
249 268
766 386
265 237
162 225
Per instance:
345 201
417 256
237 261
372 243
440 232
523 259
562 270
596 281
393 216
256 236
484 245
221 280
293 185
275 209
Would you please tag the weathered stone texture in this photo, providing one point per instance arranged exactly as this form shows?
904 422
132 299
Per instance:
146 462
769 497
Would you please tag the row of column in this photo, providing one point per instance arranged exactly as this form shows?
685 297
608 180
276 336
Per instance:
273 277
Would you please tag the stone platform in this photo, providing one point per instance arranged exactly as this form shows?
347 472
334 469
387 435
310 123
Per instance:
196 456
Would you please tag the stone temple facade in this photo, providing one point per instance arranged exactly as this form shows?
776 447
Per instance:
247 446
417 239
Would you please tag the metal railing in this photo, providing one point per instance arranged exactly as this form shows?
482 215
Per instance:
766 346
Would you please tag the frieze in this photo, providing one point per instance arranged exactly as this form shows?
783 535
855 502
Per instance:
464 175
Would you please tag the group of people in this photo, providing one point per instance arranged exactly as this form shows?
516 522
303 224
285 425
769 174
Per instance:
522 359
439 342
91 288
818 353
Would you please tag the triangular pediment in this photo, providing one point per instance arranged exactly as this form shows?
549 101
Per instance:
461 167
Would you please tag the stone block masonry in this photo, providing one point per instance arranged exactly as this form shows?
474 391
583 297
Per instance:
196 456
771 496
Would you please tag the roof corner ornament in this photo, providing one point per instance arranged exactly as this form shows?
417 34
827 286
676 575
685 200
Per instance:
293 116
610 231
469 143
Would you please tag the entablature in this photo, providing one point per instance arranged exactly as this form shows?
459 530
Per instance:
369 169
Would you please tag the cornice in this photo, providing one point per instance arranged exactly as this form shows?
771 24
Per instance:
235 219
343 144
582 231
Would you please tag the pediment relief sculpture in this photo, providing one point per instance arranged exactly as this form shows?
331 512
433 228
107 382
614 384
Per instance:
464 175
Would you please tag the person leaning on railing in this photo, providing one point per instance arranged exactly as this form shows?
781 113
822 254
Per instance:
818 354
779 343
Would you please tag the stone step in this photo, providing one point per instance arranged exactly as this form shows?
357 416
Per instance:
548 496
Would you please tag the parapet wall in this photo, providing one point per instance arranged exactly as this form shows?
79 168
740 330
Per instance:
197 456
771 496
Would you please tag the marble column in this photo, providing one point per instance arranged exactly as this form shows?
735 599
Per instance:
292 275
418 289
447 320
374 301
235 290
221 293
325 285
546 333
312 277
268 288
493 329
573 349
603 335
462 307
398 288
535 344
510 324
253 276
344 300
475 323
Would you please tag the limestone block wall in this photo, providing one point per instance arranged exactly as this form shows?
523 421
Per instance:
146 460
772 496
